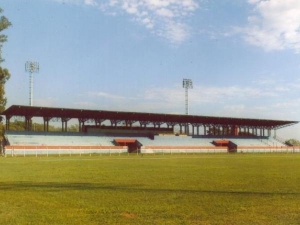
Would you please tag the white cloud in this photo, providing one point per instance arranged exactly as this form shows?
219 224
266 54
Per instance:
274 25
174 32
207 95
235 110
164 18
259 101
163 12
91 2
106 95
85 104
77 2
46 102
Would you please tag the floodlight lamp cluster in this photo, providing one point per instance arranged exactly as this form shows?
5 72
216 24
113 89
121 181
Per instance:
32 67
187 83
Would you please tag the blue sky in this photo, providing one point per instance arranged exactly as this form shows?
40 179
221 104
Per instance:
131 55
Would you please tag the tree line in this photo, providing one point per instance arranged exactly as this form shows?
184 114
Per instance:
4 73
18 125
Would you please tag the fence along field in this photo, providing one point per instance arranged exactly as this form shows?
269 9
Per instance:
151 189
118 150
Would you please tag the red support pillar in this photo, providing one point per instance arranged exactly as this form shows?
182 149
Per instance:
235 130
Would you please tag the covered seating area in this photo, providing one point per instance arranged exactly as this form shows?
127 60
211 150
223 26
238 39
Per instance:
188 124
135 132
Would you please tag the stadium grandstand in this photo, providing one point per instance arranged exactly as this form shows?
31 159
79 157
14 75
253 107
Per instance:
118 132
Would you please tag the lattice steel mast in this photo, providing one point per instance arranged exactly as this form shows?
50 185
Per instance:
31 67
187 84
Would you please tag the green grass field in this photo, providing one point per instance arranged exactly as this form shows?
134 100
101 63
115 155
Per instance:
177 189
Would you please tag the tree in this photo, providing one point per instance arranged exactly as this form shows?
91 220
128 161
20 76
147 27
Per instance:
4 24
4 76
292 142
4 73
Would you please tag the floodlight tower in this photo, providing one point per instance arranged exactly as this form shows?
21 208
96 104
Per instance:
31 67
187 84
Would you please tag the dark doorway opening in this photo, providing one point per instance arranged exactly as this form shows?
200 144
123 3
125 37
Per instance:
232 147
133 145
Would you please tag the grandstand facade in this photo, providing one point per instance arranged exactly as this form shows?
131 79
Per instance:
133 132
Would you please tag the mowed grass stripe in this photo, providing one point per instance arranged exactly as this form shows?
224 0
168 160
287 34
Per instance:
160 189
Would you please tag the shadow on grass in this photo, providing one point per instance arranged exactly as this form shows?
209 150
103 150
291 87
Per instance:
53 186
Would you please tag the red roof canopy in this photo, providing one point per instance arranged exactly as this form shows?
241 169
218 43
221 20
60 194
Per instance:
155 118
